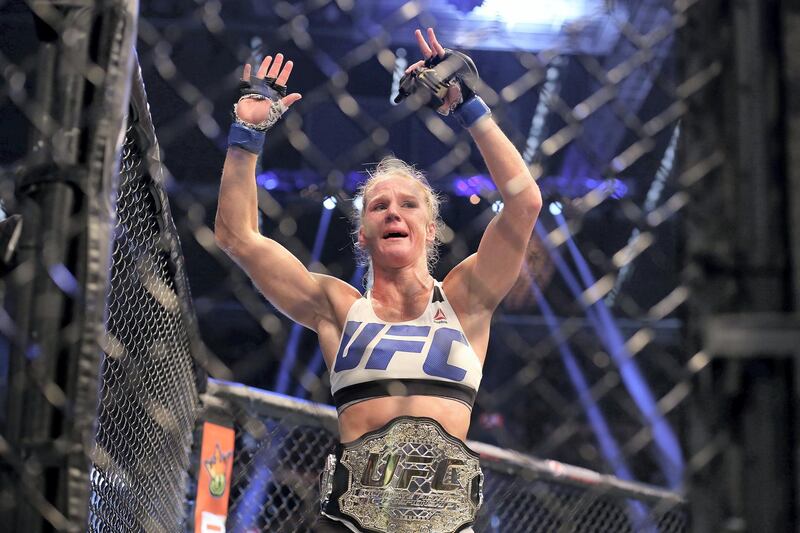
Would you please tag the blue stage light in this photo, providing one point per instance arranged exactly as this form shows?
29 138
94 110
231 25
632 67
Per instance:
465 6
268 180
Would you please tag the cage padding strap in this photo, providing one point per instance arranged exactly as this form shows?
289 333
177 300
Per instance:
72 175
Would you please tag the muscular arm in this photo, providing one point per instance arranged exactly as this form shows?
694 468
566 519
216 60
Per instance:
484 278
491 272
279 275
301 295
237 208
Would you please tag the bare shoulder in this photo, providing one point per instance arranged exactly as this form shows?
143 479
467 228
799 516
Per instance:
465 293
473 315
456 285
329 327
340 296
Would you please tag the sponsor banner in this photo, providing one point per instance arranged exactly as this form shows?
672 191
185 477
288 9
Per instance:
214 479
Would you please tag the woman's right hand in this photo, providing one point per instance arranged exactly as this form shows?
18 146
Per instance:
255 111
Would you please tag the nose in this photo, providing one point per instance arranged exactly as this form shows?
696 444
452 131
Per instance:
391 212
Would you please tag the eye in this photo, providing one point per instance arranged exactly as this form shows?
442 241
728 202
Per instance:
410 203
378 206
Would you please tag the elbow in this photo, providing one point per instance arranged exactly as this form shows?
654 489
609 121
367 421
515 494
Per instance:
223 240
527 203
534 201
228 241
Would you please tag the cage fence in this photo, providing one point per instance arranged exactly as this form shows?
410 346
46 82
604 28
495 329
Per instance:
282 443
150 382
594 358
61 233
594 321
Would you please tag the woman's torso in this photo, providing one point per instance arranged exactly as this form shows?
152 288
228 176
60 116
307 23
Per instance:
358 418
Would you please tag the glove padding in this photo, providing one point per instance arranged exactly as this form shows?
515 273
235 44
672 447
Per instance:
264 86
262 89
437 75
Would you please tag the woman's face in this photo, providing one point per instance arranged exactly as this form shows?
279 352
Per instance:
396 225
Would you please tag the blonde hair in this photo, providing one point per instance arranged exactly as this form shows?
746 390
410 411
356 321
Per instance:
388 167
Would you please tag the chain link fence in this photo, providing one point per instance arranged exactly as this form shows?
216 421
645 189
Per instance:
66 97
593 326
281 445
97 421
640 120
149 389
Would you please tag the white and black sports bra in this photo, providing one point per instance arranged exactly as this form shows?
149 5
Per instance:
428 356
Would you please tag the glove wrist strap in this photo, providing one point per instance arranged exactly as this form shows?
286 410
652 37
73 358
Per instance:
246 138
470 112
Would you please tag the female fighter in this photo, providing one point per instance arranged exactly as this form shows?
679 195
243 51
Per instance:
405 358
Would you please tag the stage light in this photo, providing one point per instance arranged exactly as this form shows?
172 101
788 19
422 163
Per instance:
329 202
268 180
539 12
497 206
555 208
465 6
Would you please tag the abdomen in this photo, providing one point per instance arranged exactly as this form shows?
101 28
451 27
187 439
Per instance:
372 414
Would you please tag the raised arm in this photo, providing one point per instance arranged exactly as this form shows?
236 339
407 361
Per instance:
303 296
492 271
489 274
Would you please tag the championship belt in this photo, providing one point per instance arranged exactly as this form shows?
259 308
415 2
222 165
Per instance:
410 476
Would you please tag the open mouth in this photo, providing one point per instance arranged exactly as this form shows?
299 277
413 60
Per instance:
395 235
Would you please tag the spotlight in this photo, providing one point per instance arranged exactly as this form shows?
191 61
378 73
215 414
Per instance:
555 208
497 206
329 202
268 180
465 6
540 12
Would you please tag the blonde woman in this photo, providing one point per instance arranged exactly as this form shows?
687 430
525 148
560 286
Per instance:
406 357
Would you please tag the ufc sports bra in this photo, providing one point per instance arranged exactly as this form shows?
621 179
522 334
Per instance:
428 356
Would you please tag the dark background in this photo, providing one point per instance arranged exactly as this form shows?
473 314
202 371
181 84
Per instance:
191 55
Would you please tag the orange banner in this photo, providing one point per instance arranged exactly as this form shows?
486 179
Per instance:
214 479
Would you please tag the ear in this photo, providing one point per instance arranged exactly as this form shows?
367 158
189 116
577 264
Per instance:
362 239
431 232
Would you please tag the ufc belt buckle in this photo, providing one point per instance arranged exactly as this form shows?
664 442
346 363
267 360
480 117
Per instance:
411 477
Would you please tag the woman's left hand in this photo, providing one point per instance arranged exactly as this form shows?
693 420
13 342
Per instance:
256 110
453 97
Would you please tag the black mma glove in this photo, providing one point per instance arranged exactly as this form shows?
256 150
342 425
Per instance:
247 135
437 76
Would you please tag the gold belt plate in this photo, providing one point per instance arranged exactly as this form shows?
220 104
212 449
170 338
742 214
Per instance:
411 476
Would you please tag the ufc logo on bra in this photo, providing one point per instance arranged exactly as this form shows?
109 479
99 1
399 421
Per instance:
395 339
